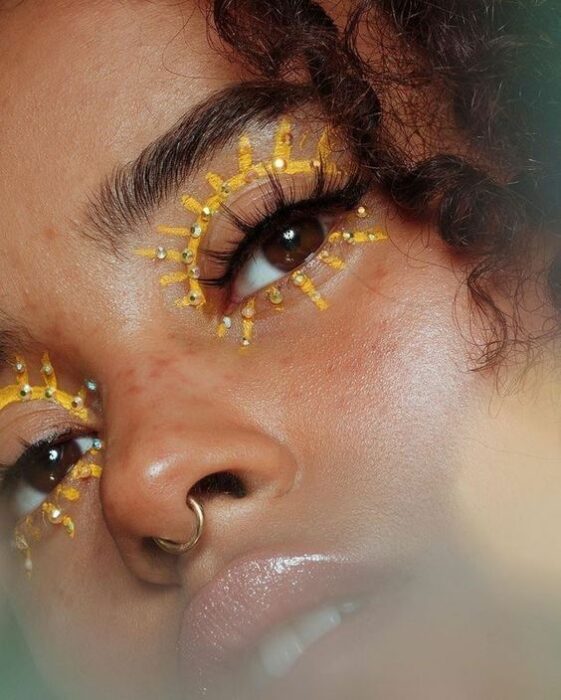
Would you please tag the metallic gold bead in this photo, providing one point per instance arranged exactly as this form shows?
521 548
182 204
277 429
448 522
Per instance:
196 231
194 273
195 298
47 370
245 342
226 189
248 312
275 296
25 391
279 164
20 367
54 514
187 256
227 322
206 213
50 392
77 402
348 236
161 253
298 279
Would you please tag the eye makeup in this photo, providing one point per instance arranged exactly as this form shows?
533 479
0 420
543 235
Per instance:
44 482
275 243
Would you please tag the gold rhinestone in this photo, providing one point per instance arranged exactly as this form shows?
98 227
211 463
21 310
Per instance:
20 367
275 296
362 212
195 298
226 189
206 213
161 253
245 342
347 236
372 237
298 279
279 164
194 273
196 231
187 256
54 514
77 402
47 370
316 296
49 392
25 392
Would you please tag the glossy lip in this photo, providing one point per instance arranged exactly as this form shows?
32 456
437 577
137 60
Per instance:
230 615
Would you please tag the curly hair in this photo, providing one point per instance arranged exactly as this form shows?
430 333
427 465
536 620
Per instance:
497 198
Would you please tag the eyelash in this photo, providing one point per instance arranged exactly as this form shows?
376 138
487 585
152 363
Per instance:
332 194
10 474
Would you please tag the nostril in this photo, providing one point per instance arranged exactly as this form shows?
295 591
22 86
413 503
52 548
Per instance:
219 484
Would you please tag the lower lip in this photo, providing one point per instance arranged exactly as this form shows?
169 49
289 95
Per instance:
226 621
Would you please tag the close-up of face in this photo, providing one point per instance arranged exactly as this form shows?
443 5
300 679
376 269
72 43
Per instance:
255 439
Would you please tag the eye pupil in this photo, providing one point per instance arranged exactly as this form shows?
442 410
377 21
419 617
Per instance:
292 245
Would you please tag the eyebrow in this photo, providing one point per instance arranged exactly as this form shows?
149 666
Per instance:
130 195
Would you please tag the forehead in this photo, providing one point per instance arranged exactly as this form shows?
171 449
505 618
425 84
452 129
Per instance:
84 87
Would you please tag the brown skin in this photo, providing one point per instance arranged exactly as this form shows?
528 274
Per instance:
361 432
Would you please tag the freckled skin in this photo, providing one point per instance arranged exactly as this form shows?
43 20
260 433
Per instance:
355 428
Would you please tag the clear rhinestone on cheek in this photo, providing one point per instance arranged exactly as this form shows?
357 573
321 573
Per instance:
161 253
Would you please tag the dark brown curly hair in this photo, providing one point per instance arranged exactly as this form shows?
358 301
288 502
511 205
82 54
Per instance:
497 198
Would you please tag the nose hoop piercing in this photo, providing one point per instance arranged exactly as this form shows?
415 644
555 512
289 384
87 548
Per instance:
176 548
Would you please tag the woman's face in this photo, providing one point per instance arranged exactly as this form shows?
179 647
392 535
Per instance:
350 442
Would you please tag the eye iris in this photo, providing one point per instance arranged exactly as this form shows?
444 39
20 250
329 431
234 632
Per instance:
49 465
290 246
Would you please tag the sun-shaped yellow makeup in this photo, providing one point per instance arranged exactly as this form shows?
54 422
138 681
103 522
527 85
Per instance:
21 390
186 253
52 511
280 162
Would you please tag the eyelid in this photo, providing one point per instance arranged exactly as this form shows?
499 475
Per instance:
327 196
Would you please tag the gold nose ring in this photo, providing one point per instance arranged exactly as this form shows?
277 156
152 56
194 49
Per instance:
172 547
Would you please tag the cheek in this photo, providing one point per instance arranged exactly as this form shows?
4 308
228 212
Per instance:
377 409
74 619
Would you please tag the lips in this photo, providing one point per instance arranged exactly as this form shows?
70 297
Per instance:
242 607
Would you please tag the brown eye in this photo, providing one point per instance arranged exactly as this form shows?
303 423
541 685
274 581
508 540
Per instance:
44 466
40 469
290 246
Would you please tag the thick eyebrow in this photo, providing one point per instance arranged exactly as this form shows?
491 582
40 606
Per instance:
14 340
131 194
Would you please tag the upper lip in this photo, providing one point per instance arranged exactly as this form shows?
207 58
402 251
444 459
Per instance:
239 606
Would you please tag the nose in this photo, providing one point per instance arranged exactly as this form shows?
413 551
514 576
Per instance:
171 444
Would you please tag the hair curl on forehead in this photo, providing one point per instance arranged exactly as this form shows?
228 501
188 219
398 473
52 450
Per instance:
499 63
